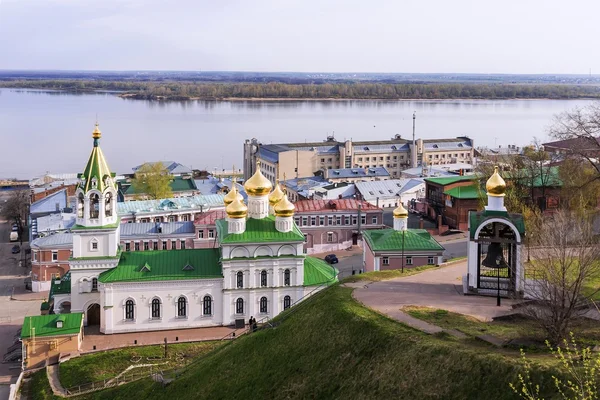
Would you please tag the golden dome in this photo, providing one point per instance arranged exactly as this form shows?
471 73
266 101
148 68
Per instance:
495 186
284 208
236 209
400 212
232 195
258 185
276 195
97 134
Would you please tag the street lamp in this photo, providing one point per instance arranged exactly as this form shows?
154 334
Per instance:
403 231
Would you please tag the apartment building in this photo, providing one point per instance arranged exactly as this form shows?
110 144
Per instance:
49 259
297 160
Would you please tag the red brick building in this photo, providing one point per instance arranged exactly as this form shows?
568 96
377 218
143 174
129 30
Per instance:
49 259
206 229
438 199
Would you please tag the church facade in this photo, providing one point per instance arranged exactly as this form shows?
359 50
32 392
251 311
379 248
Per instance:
258 267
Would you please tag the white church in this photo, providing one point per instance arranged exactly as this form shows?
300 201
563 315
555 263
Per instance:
257 267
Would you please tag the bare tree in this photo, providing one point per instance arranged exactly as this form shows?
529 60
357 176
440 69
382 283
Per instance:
560 275
16 209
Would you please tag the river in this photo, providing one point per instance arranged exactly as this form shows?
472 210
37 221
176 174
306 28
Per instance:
44 131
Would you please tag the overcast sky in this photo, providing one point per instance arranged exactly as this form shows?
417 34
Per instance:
482 36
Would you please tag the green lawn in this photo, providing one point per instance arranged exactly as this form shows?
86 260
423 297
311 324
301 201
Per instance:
377 276
332 347
37 387
98 366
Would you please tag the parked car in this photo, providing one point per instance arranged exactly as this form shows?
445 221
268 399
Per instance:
331 258
16 249
14 236
14 228
28 283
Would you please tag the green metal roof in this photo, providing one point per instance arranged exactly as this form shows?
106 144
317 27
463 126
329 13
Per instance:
96 168
478 218
110 226
165 265
64 287
258 231
550 177
45 325
391 240
178 184
318 272
464 192
447 180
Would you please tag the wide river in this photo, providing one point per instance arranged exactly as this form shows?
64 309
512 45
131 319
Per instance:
51 131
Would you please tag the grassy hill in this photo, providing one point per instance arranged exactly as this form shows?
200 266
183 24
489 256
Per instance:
335 348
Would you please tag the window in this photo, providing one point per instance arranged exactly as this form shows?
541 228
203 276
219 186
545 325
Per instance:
35 256
374 219
430 260
186 218
108 204
200 234
287 302
129 310
127 246
321 221
164 245
263 278
313 221
338 220
263 304
155 245
329 237
80 202
304 221
329 159
211 233
286 277
363 219
94 284
305 238
181 307
146 246
54 256
182 245
136 246
207 305
322 160
346 220
359 158
380 158
157 219
354 220
387 158
330 220
171 218
155 308
408 260
395 157
240 280
385 260
173 244
239 306
297 220
94 205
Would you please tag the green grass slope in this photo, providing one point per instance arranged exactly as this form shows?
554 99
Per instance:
333 347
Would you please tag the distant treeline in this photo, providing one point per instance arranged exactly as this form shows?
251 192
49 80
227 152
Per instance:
277 90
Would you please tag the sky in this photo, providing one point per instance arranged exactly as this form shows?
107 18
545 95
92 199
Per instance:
491 36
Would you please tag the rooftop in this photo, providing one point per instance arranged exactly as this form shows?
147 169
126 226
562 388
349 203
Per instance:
258 231
465 192
52 203
318 272
64 239
393 240
332 205
63 287
389 188
478 218
152 228
181 203
356 173
165 265
46 325
448 180
52 222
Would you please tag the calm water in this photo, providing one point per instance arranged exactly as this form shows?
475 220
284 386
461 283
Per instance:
42 131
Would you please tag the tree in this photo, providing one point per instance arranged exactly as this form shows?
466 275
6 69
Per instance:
16 209
560 275
153 180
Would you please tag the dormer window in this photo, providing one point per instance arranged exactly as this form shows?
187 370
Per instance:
94 182
145 268
435 146
460 145
188 267
59 323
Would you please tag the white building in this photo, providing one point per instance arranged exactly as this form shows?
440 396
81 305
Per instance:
258 269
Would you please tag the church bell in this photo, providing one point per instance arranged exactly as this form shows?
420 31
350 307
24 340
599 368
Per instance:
495 257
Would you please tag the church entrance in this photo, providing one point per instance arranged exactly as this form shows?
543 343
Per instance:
497 260
93 314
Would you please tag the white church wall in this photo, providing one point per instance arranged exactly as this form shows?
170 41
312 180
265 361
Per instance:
259 250
106 243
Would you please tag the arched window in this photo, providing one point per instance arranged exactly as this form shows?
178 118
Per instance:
80 205
287 302
129 310
263 304
286 277
207 305
155 308
94 205
239 306
94 284
108 204
181 307
263 278
240 280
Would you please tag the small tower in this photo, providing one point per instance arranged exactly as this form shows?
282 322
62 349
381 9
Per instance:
284 215
236 216
495 187
258 188
275 197
400 218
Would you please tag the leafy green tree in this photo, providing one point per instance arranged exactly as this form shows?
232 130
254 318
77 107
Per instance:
153 180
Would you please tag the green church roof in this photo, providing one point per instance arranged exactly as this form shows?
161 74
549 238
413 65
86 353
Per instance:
478 218
391 240
45 325
447 180
258 231
464 192
64 287
318 272
96 168
165 265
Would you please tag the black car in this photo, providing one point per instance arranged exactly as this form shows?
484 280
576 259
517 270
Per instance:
16 249
14 227
331 259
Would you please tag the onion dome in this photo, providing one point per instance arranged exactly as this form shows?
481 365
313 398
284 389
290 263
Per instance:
232 195
284 208
236 209
495 186
258 185
400 212
276 195
97 134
